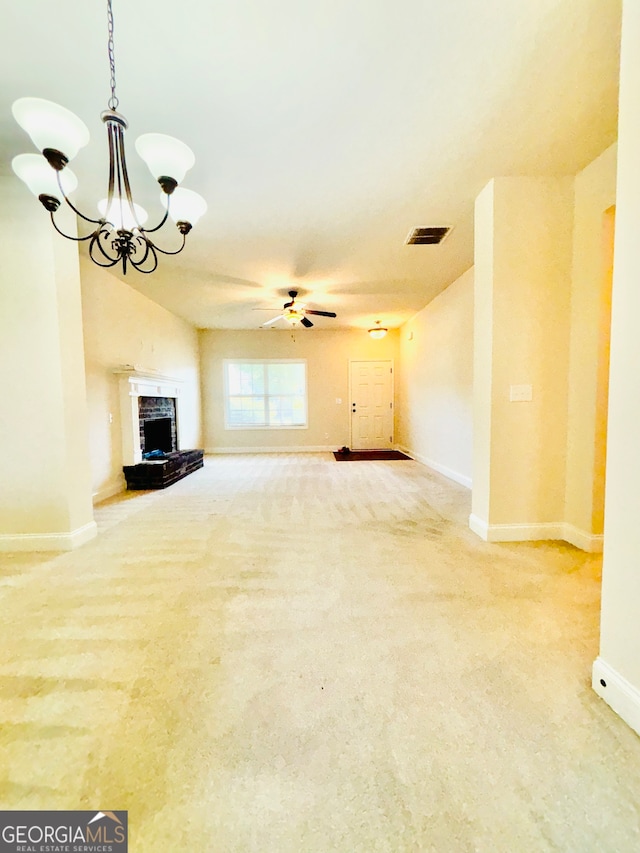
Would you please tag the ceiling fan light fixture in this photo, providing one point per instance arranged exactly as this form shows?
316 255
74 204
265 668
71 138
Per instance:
378 331
294 312
293 315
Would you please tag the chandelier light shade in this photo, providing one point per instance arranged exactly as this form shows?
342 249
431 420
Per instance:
165 155
186 206
51 126
378 331
38 175
118 236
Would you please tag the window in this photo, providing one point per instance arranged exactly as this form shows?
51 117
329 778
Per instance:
265 394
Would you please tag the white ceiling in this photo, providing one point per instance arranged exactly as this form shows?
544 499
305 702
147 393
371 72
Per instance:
322 132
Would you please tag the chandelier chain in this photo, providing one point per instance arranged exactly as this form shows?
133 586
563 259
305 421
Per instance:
113 100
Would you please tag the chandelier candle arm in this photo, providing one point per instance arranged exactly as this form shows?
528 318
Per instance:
162 221
71 205
119 236
177 251
62 233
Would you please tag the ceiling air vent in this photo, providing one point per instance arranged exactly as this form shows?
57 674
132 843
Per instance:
427 236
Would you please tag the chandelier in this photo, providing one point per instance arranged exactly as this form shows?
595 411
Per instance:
118 235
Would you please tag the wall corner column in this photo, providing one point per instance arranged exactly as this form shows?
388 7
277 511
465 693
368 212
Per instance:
522 295
45 481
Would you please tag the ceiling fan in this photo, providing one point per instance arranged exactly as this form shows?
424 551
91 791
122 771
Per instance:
296 312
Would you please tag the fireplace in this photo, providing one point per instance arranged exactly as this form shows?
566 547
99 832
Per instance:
150 420
145 395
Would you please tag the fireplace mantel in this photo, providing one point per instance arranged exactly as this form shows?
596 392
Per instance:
138 382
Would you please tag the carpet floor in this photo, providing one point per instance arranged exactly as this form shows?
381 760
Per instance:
279 654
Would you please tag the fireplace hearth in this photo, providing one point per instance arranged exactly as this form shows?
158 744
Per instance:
163 472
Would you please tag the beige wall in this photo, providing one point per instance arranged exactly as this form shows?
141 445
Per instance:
619 663
523 288
435 399
45 497
327 353
121 326
594 194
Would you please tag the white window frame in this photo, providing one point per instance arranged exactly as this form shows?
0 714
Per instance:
264 361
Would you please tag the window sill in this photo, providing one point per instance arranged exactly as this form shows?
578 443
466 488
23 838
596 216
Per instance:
231 427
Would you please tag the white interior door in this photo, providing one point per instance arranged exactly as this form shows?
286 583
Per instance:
371 384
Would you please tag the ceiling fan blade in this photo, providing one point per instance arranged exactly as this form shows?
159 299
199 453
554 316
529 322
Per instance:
320 313
272 321
306 323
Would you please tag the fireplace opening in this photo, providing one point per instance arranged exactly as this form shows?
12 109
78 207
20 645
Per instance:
157 435
158 426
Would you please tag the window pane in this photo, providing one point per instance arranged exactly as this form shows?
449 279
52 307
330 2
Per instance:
251 379
246 410
245 378
234 372
286 378
286 411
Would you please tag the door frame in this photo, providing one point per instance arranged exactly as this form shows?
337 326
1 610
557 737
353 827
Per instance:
390 361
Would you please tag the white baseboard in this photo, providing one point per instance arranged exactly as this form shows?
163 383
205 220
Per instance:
48 541
515 532
479 527
617 692
297 449
590 542
559 530
109 491
441 469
